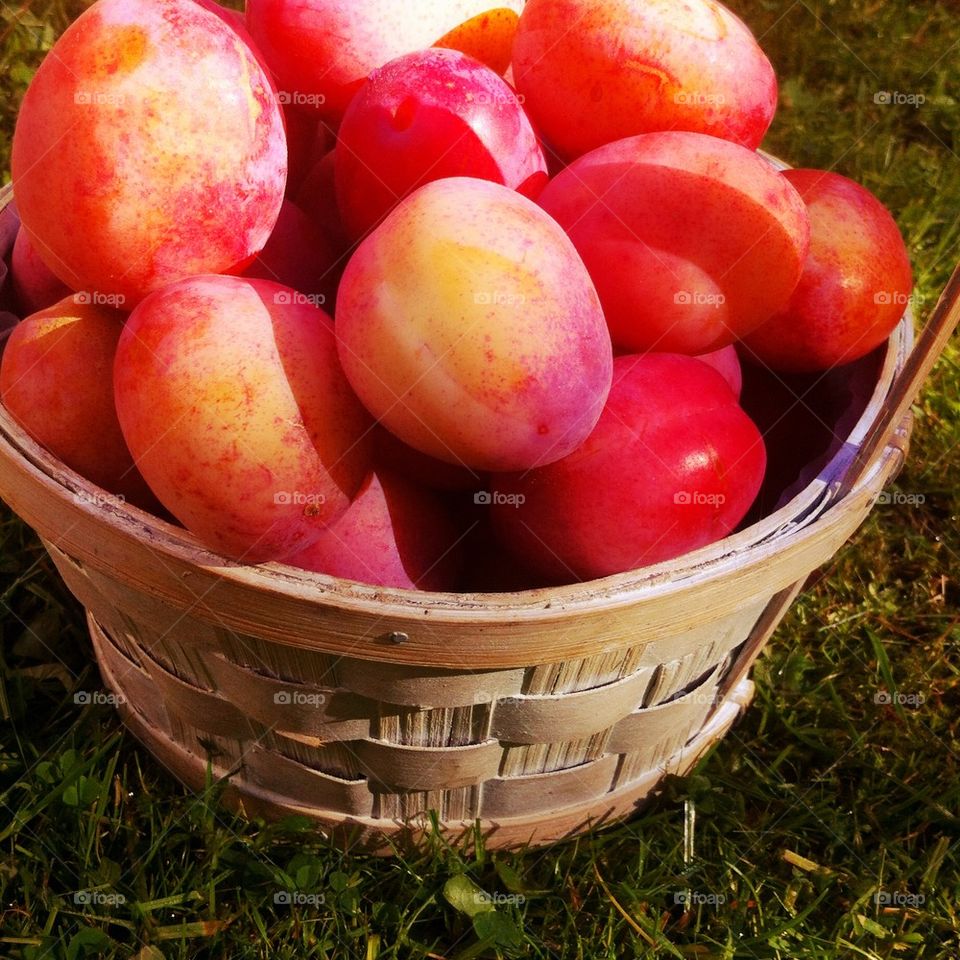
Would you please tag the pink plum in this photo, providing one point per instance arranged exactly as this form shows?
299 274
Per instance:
596 71
855 286
394 534
149 147
234 405
673 465
426 116
692 242
323 50
469 328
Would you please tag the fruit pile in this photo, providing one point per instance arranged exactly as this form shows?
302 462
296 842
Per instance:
426 294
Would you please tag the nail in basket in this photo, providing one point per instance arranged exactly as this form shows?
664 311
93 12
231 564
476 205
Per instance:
533 716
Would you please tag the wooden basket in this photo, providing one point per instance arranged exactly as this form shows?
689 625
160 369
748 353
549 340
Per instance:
532 715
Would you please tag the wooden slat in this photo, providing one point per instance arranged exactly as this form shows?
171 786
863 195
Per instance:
395 767
569 716
546 793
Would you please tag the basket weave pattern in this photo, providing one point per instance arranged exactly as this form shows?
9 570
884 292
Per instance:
389 741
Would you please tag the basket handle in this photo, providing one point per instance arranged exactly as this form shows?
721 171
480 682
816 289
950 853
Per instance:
908 384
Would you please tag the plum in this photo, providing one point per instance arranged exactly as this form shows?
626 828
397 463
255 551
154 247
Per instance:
394 534
425 116
596 71
673 465
469 327
149 147
56 380
692 242
487 37
855 285
233 402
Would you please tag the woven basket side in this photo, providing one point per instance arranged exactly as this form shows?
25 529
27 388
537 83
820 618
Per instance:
517 812
335 749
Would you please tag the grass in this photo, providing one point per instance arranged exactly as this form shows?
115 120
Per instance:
827 822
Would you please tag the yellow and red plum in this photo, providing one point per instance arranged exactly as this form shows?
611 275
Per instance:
322 50
34 283
487 37
855 286
232 400
692 242
56 380
149 147
469 327
595 71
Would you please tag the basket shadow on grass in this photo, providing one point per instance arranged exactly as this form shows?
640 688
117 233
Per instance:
827 821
